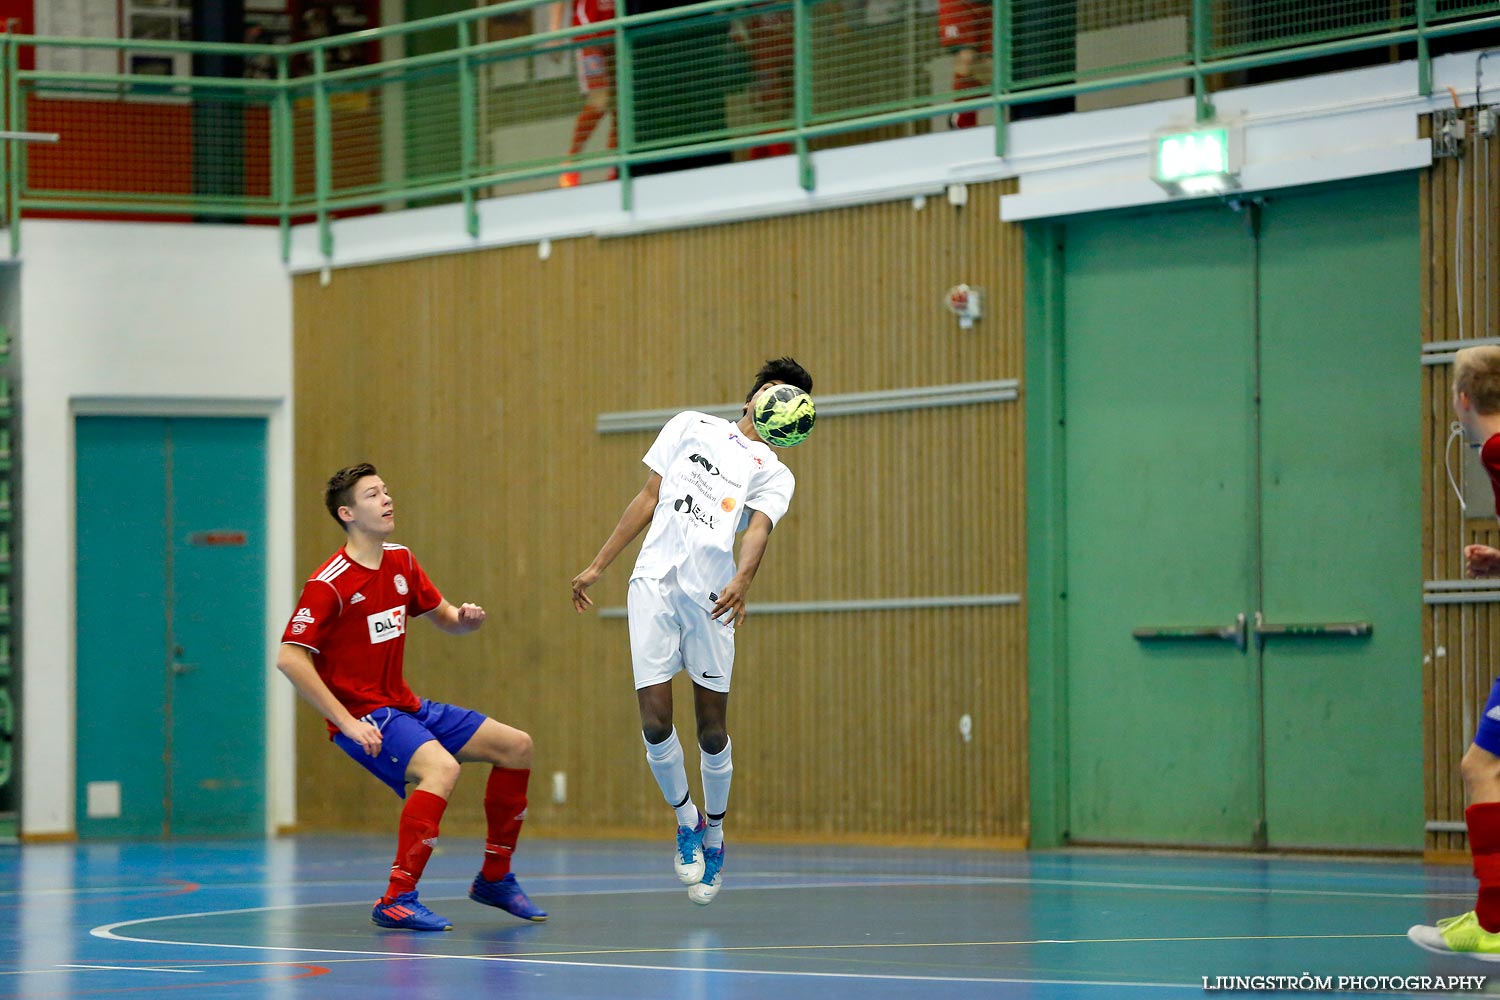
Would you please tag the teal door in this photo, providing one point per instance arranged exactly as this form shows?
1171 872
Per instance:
170 626
1241 394
1340 497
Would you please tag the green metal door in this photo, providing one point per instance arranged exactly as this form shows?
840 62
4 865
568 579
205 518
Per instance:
1242 469
1341 504
170 626
1162 735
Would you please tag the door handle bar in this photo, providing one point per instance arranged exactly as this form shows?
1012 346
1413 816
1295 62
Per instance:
1234 632
1238 634
1308 630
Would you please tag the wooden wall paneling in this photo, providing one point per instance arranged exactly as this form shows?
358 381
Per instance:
473 382
1462 647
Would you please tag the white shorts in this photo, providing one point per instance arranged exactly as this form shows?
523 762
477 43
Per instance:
670 631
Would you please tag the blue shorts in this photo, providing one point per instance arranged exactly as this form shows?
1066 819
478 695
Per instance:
401 733
1487 735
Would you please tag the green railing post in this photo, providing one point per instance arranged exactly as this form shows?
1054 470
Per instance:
1202 40
282 154
1424 57
1000 49
625 113
802 90
10 83
468 124
323 152
16 120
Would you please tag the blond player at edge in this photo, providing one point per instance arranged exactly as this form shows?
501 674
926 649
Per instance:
1476 404
710 478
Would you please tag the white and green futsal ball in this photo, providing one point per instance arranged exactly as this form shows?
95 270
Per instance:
784 416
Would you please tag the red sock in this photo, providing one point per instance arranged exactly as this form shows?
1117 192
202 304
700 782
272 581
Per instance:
504 809
583 127
415 837
1484 843
965 119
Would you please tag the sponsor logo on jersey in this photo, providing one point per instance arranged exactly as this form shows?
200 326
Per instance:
689 507
387 625
711 469
699 481
304 615
400 584
299 628
356 598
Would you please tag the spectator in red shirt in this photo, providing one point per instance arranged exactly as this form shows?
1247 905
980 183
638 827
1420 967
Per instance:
596 78
964 28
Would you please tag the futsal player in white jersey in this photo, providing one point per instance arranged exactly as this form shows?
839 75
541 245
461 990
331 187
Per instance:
710 479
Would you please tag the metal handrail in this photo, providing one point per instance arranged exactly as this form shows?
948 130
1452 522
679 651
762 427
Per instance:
468 178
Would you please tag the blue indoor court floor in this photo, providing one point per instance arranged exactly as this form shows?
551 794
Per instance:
290 918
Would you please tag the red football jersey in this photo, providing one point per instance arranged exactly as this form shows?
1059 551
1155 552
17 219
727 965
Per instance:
354 621
1490 456
963 24
592 12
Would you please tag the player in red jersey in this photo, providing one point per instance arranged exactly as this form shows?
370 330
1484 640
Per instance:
596 77
1476 404
964 29
343 651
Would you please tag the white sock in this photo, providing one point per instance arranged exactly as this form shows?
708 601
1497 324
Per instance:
714 835
718 769
665 761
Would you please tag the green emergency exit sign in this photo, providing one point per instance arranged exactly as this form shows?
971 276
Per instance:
1198 162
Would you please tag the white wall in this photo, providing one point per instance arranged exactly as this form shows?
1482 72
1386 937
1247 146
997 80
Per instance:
142 319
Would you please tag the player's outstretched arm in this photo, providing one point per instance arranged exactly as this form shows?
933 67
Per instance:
1481 560
456 621
297 664
637 516
753 543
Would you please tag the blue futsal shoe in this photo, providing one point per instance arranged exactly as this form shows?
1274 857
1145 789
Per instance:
505 894
404 913
688 857
713 877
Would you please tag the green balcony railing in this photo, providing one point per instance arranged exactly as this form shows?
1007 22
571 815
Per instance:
475 103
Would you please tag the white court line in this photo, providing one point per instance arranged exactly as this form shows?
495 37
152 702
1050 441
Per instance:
364 880
923 878
107 930
893 881
129 968
110 932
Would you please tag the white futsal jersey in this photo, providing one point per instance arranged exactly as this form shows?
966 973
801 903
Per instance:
711 479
